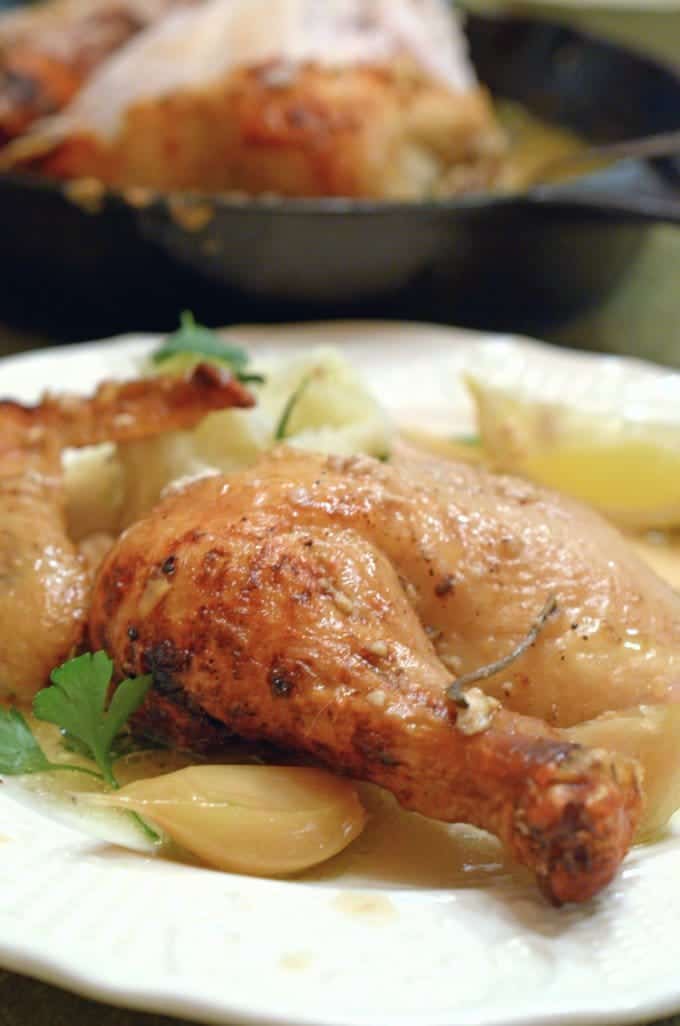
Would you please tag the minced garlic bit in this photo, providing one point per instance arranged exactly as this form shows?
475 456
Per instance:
156 589
378 649
377 698
343 602
480 710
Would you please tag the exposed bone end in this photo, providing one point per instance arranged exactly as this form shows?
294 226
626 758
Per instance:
576 819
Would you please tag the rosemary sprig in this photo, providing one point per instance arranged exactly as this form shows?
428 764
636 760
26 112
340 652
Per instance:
456 691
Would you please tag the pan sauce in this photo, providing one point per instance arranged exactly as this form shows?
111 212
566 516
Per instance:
532 144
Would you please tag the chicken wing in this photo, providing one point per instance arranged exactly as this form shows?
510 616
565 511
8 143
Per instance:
326 605
45 584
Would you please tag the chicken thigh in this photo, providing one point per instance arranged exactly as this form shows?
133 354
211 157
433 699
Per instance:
326 605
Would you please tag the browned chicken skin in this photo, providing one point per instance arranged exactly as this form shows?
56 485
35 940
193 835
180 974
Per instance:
44 581
349 133
326 605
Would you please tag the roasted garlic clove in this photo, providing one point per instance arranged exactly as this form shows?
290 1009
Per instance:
260 820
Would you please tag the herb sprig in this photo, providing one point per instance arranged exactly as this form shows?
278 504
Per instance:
21 754
456 692
193 339
77 703
283 426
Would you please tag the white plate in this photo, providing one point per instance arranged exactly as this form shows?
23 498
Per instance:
349 949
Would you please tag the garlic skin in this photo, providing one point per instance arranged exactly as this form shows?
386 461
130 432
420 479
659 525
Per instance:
257 820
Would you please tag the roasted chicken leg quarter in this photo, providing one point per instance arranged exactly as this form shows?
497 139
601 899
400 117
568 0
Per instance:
326 605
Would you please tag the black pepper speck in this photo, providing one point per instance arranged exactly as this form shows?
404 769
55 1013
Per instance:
446 586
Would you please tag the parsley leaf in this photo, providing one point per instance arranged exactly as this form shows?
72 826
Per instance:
21 754
19 750
192 339
77 703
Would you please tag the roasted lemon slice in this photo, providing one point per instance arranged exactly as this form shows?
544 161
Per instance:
625 464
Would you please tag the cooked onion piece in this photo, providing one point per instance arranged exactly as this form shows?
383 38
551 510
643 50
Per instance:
648 733
260 820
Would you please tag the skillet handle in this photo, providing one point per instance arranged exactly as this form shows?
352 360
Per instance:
627 191
645 208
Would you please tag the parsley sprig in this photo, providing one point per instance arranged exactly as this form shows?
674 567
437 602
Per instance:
77 703
192 339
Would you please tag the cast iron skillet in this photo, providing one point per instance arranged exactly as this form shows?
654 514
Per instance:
86 266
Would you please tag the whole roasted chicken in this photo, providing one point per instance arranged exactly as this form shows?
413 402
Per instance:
327 605
303 98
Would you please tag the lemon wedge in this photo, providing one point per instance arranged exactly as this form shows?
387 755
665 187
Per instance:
626 466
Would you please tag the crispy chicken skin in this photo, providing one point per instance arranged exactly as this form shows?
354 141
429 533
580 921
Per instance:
325 605
358 132
44 579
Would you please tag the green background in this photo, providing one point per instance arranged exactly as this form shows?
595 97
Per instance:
642 316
